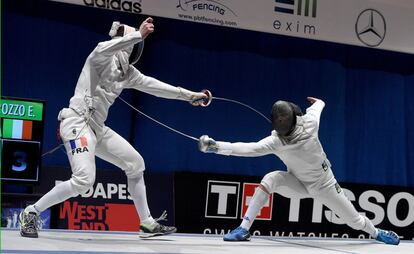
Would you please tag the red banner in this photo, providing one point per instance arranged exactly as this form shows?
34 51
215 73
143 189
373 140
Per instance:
113 217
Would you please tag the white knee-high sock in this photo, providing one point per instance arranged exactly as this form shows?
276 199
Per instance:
58 194
137 190
370 228
259 199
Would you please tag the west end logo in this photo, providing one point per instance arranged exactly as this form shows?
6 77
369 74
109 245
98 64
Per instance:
305 8
205 5
370 27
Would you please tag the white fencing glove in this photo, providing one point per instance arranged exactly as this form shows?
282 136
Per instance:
207 144
198 99
194 98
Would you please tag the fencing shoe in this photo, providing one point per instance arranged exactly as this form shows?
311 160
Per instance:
28 223
388 237
157 229
238 234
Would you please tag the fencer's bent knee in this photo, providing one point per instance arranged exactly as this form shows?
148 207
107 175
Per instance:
271 180
137 176
82 183
135 167
263 188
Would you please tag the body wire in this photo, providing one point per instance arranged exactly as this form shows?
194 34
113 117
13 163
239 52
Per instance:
168 127
182 133
158 122
243 104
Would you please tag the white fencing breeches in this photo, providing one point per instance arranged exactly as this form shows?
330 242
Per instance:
82 144
331 195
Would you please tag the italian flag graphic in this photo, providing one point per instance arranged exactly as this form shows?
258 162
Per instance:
18 129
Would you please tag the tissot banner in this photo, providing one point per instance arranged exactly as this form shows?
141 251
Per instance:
215 204
370 23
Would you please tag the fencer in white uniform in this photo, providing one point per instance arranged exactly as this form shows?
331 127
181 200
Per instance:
107 71
295 141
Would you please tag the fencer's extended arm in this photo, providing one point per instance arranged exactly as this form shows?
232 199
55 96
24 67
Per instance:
315 110
155 87
253 149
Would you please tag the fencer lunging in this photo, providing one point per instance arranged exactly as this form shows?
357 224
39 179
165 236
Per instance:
295 141
107 71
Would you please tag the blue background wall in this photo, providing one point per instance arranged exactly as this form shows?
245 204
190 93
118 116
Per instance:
366 126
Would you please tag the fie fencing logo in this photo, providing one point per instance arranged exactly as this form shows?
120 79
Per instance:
205 6
222 199
207 11
307 8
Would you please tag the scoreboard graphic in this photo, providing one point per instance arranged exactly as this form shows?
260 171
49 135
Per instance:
21 132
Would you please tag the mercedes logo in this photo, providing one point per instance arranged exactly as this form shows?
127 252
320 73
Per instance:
370 27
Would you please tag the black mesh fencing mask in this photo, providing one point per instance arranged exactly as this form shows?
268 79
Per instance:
284 117
136 52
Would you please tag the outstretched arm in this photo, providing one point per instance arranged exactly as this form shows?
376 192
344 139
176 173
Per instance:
161 89
252 149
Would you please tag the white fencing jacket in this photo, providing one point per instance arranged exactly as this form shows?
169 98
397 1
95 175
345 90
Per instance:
107 72
301 152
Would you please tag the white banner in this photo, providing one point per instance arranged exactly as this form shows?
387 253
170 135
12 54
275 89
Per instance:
370 23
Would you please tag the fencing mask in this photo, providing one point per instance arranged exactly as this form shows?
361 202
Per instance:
119 30
284 117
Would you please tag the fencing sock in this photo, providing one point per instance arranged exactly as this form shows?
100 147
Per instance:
136 188
369 228
58 194
259 199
